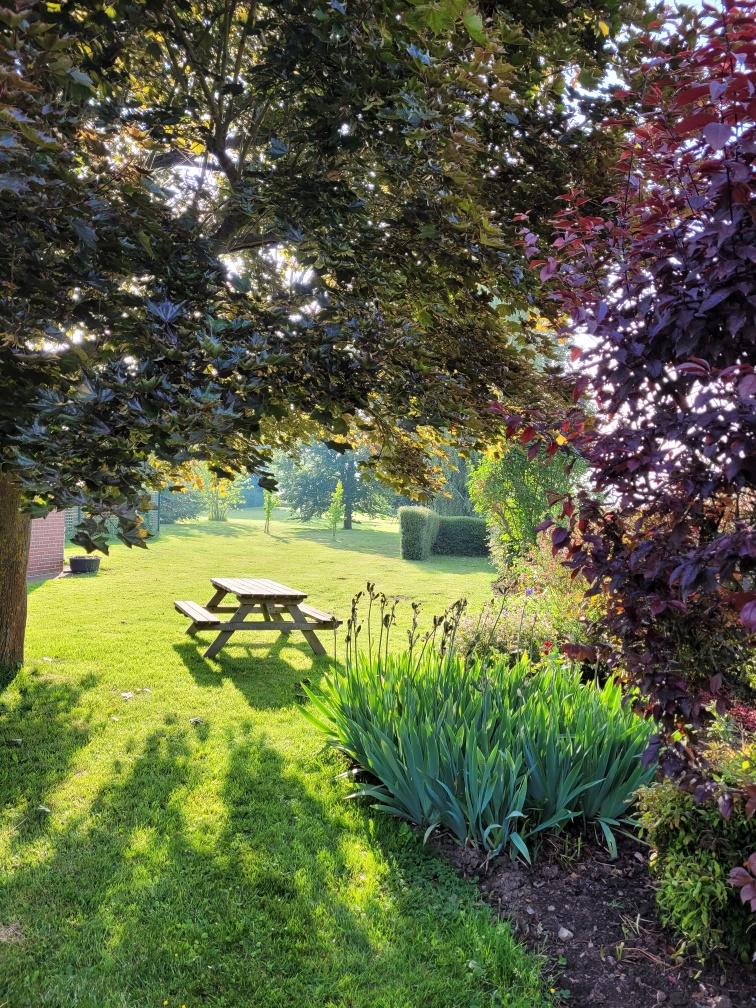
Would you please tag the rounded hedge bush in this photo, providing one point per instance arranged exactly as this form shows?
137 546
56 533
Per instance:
418 527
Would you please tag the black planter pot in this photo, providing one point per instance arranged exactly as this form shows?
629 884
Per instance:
84 564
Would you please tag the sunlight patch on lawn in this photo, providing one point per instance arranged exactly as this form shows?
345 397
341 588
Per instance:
199 846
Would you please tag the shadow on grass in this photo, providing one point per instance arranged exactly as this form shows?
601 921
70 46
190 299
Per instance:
138 905
212 868
385 543
445 564
227 529
38 739
261 672
377 541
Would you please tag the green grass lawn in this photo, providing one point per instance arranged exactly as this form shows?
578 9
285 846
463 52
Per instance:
191 844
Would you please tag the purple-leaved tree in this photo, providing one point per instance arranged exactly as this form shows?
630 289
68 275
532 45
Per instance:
661 278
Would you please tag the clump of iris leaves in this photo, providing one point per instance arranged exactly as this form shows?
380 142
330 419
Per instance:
493 748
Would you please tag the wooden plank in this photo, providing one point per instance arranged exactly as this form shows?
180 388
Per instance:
220 640
277 587
320 616
228 631
197 613
308 635
257 606
262 588
214 605
282 626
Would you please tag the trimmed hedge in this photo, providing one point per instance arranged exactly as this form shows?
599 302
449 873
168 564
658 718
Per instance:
423 532
418 527
460 535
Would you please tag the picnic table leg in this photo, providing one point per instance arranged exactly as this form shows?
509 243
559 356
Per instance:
268 616
311 637
220 594
224 636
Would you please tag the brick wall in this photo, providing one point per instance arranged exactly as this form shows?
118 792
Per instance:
46 546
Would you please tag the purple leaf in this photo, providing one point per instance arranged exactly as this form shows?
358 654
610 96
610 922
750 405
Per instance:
748 616
747 389
717 135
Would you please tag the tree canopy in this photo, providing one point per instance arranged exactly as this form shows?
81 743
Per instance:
356 167
223 221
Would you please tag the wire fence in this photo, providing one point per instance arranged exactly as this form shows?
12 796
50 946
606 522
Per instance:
150 518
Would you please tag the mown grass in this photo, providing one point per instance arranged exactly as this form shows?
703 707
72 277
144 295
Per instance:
190 844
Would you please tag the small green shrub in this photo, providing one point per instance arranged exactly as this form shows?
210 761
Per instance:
513 492
460 535
334 516
418 527
495 753
695 849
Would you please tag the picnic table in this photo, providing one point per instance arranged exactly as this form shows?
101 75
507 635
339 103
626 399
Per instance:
282 609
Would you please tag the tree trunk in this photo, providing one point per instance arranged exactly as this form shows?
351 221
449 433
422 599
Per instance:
348 482
15 527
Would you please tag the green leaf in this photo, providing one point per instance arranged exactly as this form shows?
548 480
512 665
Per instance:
84 232
521 846
144 241
437 18
474 24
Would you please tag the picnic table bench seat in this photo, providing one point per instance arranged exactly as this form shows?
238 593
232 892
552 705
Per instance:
319 616
282 609
197 613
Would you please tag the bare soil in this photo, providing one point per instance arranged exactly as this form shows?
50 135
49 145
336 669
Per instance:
596 922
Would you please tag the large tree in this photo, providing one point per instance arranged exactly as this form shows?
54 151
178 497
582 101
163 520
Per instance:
307 480
221 215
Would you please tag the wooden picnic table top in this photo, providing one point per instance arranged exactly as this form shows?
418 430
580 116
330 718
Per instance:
256 596
258 588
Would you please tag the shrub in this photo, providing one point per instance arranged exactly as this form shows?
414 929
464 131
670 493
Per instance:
514 492
418 527
695 849
334 516
541 606
461 536
218 494
176 505
667 530
495 753
424 532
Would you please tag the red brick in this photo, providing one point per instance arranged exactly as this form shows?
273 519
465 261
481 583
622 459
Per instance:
46 546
